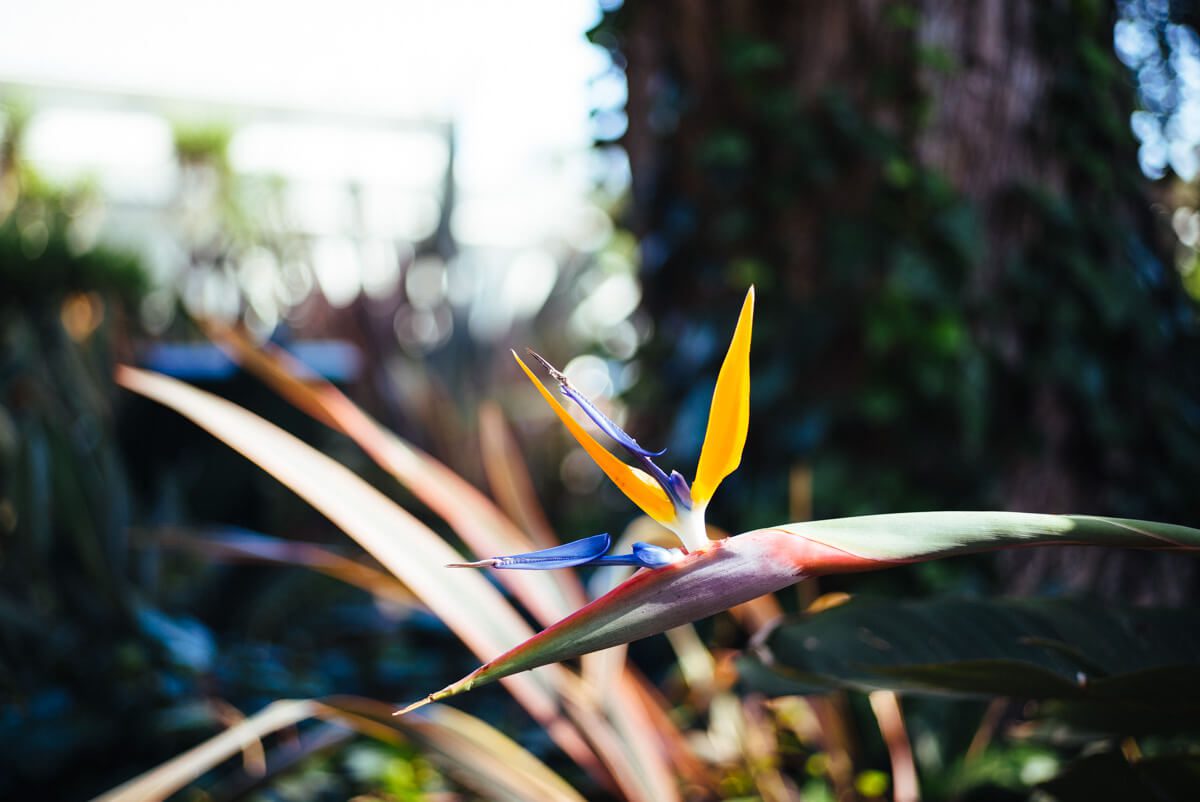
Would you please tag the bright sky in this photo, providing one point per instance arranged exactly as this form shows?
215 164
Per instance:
516 78
383 56
513 75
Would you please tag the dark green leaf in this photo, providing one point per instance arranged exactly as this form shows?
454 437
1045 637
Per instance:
1132 665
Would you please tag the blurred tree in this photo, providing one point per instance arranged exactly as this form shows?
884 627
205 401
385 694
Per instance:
965 294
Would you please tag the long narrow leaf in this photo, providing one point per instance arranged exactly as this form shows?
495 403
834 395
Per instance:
674 744
918 536
468 749
741 568
886 707
252 547
549 596
162 781
472 516
642 735
472 608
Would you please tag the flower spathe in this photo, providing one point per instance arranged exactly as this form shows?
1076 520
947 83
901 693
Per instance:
665 497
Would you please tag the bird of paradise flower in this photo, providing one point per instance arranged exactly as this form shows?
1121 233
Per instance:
675 586
667 498
703 577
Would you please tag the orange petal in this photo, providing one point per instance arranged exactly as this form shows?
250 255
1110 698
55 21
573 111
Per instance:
641 489
729 415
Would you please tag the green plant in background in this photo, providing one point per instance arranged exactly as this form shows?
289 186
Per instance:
1115 663
49 236
65 512
204 143
223 215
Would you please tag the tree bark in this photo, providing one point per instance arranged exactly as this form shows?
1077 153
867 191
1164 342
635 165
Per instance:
958 265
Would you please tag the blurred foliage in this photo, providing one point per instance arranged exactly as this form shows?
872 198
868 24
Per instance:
74 663
48 235
114 655
42 259
151 651
203 143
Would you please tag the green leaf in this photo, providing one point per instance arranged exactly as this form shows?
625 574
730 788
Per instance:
916 536
1123 662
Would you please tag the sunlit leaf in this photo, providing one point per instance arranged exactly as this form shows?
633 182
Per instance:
164 780
678 749
468 749
464 600
251 547
471 515
469 605
548 596
916 536
885 705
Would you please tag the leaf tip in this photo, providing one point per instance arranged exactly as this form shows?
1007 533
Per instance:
124 374
414 706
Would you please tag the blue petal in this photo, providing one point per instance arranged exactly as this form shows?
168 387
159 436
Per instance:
679 489
567 555
599 418
653 556
606 424
645 555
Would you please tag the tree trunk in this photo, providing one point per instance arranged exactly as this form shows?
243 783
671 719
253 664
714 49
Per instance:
965 300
